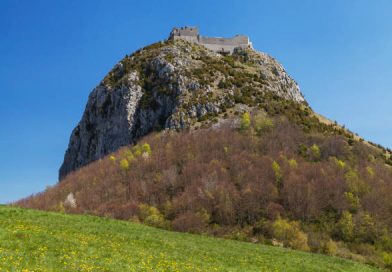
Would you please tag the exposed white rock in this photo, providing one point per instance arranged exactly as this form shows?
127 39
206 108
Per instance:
70 201
160 89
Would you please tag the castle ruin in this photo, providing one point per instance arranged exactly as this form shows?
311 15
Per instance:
223 46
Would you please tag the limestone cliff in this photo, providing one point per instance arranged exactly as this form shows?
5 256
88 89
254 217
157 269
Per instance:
171 85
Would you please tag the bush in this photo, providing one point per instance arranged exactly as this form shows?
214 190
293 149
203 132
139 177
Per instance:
146 148
315 151
239 234
124 164
224 84
385 241
152 217
330 248
317 241
300 241
112 158
278 173
345 227
365 228
191 222
139 150
245 121
352 200
274 211
293 163
387 259
262 124
290 234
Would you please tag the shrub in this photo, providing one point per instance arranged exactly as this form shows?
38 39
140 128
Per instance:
146 148
238 234
128 155
331 248
387 259
340 163
315 151
152 217
290 234
112 158
139 150
245 121
262 123
345 227
224 84
124 164
278 173
352 200
317 241
293 163
365 228
385 241
190 222
274 210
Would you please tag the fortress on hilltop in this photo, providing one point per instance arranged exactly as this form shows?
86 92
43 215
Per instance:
216 44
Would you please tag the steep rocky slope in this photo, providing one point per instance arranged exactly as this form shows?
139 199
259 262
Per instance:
171 85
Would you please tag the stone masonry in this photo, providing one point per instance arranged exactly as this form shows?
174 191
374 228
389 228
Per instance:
216 44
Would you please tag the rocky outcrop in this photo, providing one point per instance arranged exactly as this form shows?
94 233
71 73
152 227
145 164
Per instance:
170 85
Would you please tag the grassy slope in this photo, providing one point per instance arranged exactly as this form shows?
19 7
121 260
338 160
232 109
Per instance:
45 241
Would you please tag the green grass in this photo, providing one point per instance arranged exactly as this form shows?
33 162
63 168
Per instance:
44 241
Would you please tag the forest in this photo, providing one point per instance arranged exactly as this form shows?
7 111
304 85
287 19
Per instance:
266 181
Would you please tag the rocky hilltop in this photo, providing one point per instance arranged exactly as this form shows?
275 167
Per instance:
171 85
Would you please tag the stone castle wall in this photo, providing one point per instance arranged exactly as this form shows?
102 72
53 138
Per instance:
220 45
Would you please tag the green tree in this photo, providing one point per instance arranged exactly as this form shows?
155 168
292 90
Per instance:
366 228
262 123
245 121
129 155
124 164
293 163
353 201
146 148
290 234
278 174
152 216
330 247
315 150
112 158
345 227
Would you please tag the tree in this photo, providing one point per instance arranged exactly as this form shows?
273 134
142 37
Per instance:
262 123
315 150
152 216
278 174
366 228
112 158
146 148
345 227
124 164
245 121
290 234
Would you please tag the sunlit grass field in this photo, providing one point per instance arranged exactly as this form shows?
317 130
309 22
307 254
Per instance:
43 241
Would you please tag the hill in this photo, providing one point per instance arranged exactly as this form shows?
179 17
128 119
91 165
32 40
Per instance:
230 149
171 85
45 241
265 180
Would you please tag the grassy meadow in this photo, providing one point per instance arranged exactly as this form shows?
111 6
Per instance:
33 240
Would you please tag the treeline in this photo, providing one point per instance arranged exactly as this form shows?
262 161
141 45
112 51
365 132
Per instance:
267 181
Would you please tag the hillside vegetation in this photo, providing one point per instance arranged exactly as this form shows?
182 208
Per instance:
171 85
276 176
45 241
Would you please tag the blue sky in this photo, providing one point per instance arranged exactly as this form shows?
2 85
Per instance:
53 53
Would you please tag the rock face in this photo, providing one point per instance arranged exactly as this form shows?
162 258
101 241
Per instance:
171 85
